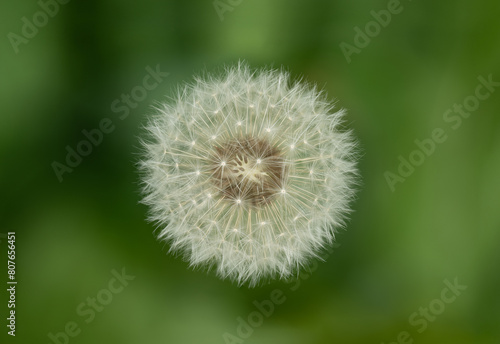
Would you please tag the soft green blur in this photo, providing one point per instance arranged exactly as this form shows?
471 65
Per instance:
441 223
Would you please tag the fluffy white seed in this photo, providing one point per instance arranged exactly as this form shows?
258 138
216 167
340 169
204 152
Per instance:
248 173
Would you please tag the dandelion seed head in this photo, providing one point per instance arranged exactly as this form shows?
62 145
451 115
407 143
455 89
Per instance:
260 204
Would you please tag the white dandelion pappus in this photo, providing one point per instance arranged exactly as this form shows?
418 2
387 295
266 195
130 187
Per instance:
248 173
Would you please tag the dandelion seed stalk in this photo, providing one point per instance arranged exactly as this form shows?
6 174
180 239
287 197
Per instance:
248 173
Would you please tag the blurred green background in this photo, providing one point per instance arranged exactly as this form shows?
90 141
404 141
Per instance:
441 223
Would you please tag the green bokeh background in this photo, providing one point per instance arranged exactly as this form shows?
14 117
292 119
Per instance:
441 223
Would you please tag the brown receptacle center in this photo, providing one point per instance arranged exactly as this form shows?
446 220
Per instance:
248 171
